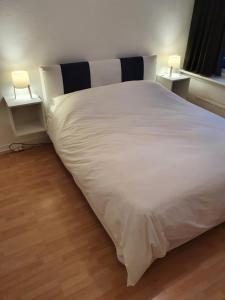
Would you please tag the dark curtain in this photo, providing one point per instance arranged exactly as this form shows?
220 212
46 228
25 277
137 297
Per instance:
206 43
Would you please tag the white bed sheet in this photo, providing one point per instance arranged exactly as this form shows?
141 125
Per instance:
150 164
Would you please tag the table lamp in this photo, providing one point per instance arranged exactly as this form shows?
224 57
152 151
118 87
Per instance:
173 63
20 80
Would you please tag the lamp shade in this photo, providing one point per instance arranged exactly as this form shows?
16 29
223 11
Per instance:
20 79
174 61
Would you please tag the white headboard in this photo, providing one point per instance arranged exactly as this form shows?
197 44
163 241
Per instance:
61 79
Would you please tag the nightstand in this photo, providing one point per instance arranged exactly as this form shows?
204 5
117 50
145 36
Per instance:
26 115
177 83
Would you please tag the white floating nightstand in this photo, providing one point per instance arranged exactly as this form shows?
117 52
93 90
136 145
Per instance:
26 115
177 83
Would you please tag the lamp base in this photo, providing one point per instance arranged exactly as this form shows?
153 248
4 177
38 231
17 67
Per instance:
14 90
171 71
29 90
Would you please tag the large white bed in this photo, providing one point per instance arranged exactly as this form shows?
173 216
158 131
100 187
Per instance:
150 164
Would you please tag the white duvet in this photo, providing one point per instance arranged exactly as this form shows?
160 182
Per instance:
150 164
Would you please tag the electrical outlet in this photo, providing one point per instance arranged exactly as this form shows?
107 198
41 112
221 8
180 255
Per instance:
16 147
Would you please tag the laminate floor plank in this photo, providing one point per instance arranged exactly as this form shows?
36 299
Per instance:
53 247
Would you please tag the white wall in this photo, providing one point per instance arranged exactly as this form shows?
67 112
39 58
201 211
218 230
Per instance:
37 32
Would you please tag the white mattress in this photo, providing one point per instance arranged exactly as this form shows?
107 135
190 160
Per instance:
150 164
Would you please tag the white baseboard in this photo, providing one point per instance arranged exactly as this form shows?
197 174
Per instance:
44 139
4 149
210 105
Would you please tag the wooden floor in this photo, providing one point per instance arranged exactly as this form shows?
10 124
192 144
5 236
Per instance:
53 247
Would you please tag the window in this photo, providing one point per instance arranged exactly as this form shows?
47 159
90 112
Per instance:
223 63
223 56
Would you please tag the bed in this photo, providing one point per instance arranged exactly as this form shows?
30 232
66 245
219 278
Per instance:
150 164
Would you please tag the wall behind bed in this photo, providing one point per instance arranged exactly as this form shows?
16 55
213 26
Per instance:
38 32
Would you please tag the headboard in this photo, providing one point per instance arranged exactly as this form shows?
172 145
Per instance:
66 78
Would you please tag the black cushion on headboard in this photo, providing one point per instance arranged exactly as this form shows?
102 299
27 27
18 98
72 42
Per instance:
132 68
76 76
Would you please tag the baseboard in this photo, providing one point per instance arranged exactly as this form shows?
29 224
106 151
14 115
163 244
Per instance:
210 105
212 102
45 139
4 149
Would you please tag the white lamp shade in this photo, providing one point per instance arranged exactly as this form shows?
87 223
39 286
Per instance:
174 61
20 79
